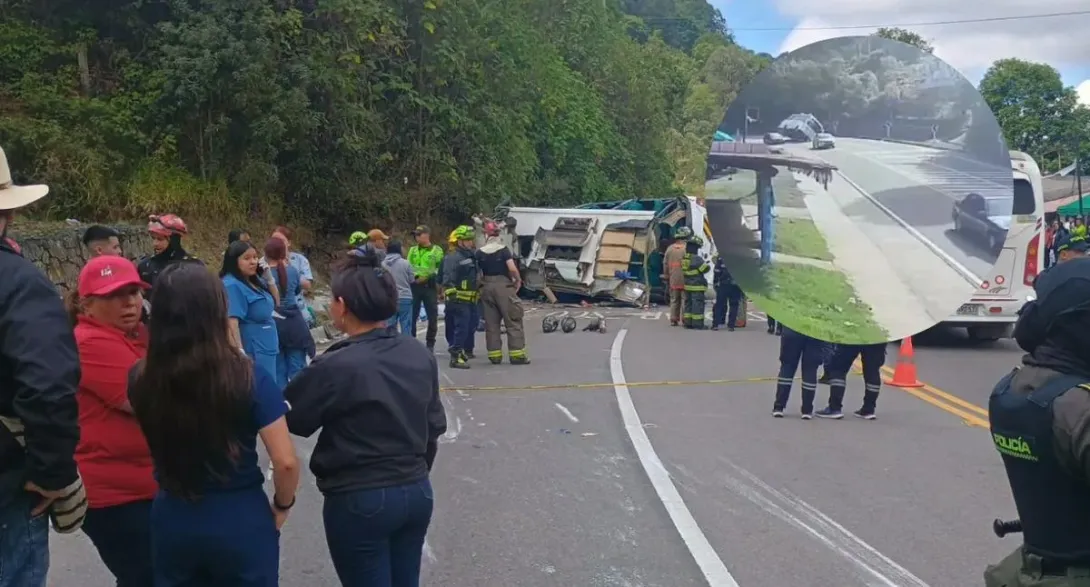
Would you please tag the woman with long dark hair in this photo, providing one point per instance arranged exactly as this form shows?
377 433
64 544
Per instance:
250 305
201 404
291 326
375 396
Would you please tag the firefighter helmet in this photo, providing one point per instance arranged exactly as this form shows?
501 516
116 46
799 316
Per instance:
683 233
166 225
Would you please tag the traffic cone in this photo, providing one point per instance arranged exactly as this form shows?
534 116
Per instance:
743 311
904 374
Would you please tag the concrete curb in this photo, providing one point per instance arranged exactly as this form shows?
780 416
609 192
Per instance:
964 271
924 145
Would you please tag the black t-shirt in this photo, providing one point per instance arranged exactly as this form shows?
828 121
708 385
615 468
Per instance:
494 263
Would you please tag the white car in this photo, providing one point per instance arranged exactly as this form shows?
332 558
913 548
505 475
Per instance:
823 140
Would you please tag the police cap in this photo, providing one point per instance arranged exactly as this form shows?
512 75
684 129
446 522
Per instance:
1067 242
1064 287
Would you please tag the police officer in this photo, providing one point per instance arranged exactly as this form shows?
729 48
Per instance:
1038 414
460 288
727 297
1070 247
873 357
500 284
796 347
425 257
693 269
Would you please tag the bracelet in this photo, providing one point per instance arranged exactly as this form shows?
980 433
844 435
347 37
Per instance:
283 508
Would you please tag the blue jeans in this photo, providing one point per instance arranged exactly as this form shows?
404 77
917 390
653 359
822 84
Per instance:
376 536
226 539
288 364
403 319
122 536
24 545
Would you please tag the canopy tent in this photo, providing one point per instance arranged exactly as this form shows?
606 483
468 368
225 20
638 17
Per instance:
1072 209
722 137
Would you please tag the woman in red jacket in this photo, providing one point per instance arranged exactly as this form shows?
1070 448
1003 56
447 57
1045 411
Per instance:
112 455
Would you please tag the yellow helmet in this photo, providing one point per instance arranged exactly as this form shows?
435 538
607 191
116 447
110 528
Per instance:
464 233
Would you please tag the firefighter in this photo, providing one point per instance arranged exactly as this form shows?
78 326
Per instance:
728 296
873 357
500 284
796 347
693 269
675 281
460 289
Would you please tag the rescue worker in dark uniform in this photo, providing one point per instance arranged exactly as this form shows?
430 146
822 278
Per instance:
166 234
1038 416
166 242
694 268
773 326
460 276
873 357
728 296
830 352
500 284
796 348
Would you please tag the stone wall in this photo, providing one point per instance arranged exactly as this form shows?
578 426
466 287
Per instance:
58 250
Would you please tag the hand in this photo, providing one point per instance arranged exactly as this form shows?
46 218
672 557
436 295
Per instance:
279 517
48 497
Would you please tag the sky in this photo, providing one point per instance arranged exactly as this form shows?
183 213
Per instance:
1063 42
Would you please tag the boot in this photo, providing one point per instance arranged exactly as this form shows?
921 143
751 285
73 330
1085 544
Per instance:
520 360
458 360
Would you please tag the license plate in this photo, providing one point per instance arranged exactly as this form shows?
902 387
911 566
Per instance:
969 309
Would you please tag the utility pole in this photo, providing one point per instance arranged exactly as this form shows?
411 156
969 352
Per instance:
1078 182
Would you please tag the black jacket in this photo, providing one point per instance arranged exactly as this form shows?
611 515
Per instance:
376 398
151 266
39 373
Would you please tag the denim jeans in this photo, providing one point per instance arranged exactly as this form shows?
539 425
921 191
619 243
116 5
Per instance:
122 536
24 545
403 319
376 536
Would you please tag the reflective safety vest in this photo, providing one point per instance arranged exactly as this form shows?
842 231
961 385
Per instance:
1052 501
693 269
425 261
460 277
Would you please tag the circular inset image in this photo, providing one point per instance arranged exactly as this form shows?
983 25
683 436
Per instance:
859 191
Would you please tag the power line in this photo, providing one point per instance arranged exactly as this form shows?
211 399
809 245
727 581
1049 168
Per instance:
902 25
920 24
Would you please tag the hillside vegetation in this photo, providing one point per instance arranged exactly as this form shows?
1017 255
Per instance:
343 113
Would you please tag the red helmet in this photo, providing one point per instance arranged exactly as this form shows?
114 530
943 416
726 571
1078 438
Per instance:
491 228
166 225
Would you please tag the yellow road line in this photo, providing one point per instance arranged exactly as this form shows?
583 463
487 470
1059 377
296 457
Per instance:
674 383
970 413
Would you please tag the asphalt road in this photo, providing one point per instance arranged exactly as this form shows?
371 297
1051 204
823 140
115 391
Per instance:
543 487
920 186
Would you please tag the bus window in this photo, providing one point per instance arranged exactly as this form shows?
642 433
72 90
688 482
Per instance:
1024 202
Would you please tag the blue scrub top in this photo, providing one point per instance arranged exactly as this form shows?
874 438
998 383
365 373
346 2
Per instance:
302 265
289 297
268 406
253 308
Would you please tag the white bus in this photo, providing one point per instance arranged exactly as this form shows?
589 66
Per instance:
992 311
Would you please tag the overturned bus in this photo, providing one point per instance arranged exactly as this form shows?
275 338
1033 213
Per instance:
609 251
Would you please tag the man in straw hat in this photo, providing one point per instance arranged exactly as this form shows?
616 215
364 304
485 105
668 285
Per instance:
39 373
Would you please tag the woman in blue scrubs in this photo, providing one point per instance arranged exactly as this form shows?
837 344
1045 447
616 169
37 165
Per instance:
202 404
250 305
291 325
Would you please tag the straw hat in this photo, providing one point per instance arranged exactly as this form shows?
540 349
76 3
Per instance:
16 196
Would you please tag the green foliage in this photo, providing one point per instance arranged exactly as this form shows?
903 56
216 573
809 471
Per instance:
906 36
1038 114
348 112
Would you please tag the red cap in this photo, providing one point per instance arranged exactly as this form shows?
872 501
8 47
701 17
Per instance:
104 275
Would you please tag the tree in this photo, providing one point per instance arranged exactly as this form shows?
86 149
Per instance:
906 36
1034 109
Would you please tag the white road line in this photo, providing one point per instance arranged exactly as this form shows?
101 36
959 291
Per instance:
965 272
566 412
454 423
712 567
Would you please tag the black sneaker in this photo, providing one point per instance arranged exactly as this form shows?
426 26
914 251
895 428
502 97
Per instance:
829 413
807 415
715 328
864 414
730 329
777 413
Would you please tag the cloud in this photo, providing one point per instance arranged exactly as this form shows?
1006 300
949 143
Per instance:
970 47
1083 90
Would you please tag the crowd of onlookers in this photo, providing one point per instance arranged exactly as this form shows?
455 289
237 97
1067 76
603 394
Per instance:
1062 233
135 416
